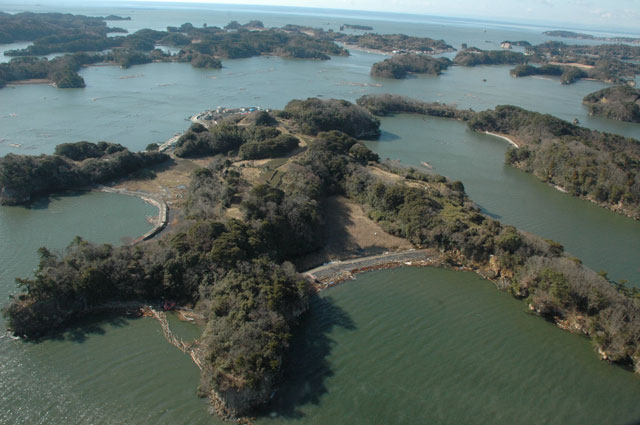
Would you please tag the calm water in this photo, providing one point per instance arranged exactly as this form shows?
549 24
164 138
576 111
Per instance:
603 240
434 347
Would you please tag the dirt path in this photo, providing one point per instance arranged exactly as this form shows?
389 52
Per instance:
338 271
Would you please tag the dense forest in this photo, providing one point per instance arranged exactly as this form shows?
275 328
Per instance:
474 57
602 167
399 66
604 62
390 104
608 62
620 103
313 115
567 74
399 43
73 166
237 270
29 26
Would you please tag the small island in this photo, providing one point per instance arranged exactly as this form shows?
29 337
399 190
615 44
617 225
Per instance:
264 204
620 103
356 27
400 66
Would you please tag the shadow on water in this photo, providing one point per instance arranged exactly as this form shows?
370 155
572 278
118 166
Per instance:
308 366
43 202
488 213
386 136
82 329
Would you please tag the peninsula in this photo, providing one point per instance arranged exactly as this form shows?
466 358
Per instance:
249 224
600 167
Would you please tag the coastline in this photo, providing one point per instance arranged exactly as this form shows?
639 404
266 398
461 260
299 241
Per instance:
336 272
514 144
162 220
31 81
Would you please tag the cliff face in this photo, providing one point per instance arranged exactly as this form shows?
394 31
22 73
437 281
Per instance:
9 196
235 403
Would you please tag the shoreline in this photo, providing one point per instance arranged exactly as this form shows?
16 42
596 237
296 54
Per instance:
337 272
162 220
514 144
29 81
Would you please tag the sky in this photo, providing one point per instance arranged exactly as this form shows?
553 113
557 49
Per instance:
609 14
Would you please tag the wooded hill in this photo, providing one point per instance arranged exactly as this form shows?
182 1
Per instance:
620 103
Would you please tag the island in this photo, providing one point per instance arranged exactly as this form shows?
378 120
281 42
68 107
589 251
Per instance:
607 62
620 103
567 74
356 27
474 57
611 63
583 36
249 226
399 66
29 26
73 166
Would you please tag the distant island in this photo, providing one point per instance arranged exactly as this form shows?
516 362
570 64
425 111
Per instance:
474 57
620 103
507 44
583 36
246 225
356 27
85 42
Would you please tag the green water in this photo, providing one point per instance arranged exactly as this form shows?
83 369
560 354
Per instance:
410 346
401 346
603 240
111 371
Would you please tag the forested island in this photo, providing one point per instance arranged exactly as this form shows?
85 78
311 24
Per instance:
474 57
399 66
29 26
567 74
246 225
356 27
73 166
620 103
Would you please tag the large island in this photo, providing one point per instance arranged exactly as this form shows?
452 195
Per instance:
260 210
